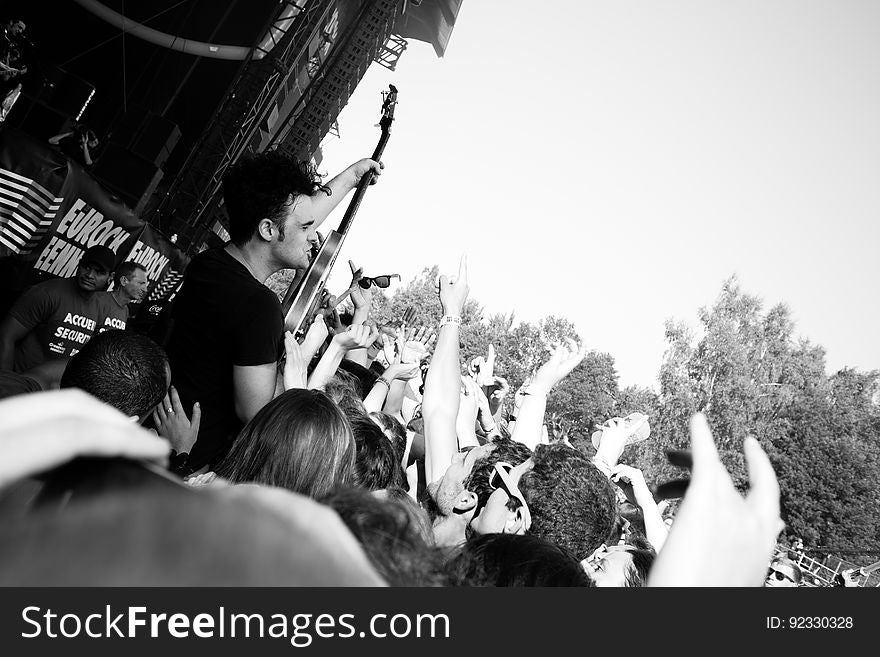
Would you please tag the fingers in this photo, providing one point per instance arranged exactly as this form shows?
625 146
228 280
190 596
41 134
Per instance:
764 488
703 451
462 269
196 418
175 401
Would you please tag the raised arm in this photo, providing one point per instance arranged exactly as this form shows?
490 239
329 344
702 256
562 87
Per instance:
323 204
356 337
443 383
530 416
639 494
720 538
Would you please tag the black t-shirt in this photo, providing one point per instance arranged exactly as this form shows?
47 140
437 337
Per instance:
222 317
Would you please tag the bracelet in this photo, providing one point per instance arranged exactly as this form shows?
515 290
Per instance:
383 380
538 391
450 319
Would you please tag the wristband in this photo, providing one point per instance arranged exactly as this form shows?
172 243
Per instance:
383 380
450 319
537 391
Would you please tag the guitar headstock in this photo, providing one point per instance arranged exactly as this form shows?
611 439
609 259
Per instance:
389 100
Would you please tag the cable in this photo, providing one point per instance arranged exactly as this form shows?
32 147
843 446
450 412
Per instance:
116 36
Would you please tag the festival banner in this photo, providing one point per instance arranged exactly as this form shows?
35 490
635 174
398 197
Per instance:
51 210
163 260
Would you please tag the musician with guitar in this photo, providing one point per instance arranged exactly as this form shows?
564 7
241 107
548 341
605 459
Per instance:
228 327
11 64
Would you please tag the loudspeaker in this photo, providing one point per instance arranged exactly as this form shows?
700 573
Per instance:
131 177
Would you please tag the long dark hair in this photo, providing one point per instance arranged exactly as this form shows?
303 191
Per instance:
300 441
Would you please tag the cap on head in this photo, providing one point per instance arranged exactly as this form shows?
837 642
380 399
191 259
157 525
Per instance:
100 255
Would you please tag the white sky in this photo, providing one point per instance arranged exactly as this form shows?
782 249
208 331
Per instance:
613 162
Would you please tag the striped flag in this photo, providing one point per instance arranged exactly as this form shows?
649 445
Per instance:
27 211
167 286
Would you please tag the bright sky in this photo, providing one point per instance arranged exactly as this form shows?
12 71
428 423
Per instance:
614 162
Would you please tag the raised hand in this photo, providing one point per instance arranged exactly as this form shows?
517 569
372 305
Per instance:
401 371
418 345
173 424
360 297
484 368
315 337
453 292
563 360
358 336
719 537
408 316
362 167
295 365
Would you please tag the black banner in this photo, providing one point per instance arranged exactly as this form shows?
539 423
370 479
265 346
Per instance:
51 210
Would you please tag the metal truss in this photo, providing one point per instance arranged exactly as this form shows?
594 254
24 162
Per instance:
328 92
391 52
249 101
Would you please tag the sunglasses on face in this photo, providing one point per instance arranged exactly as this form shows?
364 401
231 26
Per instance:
379 281
780 576
502 477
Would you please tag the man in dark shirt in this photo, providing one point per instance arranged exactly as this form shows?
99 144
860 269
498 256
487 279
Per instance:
228 327
54 319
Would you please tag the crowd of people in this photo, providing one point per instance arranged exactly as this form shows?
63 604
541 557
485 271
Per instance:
239 453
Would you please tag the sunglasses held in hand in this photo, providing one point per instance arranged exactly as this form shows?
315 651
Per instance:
380 281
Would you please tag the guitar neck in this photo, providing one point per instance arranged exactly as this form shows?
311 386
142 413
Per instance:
345 224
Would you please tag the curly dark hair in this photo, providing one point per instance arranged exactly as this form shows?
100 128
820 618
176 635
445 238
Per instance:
477 481
572 503
262 187
511 560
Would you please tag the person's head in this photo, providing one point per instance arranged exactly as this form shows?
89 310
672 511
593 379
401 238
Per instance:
506 510
269 201
499 505
16 27
344 390
300 441
572 503
376 465
95 267
622 565
783 573
394 431
394 544
124 369
131 278
449 494
510 560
